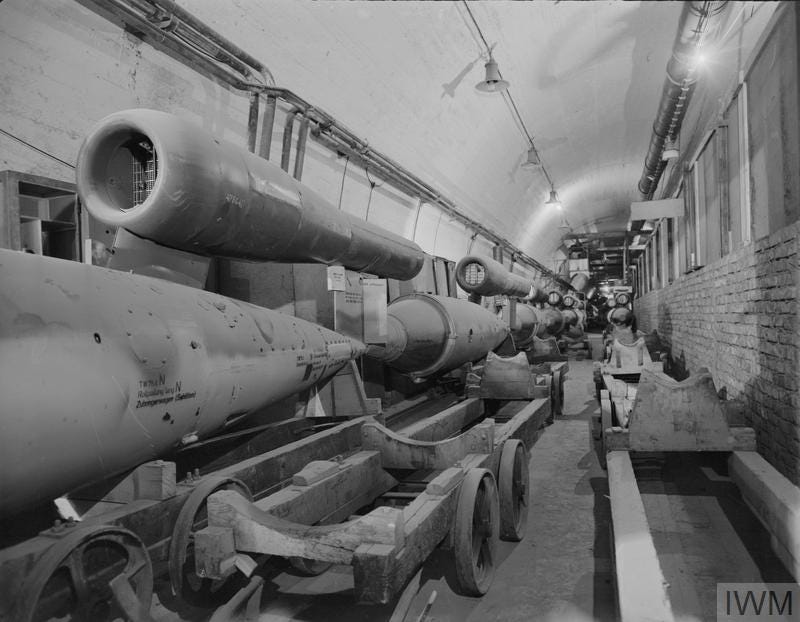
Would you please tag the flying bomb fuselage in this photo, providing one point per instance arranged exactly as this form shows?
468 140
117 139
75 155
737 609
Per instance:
104 370
429 335
168 180
477 274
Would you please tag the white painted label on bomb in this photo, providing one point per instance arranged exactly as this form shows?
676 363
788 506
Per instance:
339 352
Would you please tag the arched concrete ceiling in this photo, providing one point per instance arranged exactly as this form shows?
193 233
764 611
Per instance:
585 76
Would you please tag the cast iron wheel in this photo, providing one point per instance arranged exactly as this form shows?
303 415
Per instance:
475 532
513 482
193 517
71 581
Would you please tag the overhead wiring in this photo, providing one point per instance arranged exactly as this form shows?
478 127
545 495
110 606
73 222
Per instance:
509 98
35 148
344 175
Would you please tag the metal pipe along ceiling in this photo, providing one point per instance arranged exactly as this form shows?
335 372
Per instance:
695 22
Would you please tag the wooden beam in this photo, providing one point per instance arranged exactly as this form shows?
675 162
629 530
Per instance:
447 422
256 531
641 591
774 500
345 487
263 472
380 571
400 452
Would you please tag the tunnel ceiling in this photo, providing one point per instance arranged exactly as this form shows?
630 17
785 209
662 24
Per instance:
586 78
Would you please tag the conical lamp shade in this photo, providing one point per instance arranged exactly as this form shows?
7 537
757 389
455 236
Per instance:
493 82
533 159
553 200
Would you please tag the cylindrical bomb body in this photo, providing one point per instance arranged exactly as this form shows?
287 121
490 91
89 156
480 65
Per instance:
541 293
477 274
571 317
430 334
104 370
207 196
525 325
574 323
550 322
580 281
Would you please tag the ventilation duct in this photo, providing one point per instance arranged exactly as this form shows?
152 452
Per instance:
696 21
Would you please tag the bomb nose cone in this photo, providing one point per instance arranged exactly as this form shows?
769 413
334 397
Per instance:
357 347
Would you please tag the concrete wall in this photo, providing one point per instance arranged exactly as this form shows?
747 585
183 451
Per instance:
739 318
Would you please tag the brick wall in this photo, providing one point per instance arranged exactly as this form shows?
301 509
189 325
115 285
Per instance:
738 318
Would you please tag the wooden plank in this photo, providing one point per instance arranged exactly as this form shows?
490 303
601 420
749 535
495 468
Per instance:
315 471
447 422
617 439
774 500
673 539
640 586
526 424
399 452
214 551
380 572
357 479
445 482
262 473
256 531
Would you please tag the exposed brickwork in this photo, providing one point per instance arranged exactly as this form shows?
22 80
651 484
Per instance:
738 318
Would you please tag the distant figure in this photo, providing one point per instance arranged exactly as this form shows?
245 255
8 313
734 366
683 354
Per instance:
100 254
622 328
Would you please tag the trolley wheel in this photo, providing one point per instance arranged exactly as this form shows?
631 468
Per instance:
513 482
309 567
475 532
72 580
193 517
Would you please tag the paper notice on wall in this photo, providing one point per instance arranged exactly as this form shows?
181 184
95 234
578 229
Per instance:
336 279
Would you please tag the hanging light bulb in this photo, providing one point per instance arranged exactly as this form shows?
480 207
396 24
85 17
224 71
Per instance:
533 159
553 200
493 82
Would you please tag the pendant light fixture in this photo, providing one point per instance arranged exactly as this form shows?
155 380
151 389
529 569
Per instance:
493 82
553 200
532 159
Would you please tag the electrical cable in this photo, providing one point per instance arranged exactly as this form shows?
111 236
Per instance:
27 144
344 174
507 93
372 185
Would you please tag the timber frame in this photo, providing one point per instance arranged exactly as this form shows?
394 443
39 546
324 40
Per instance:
386 545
